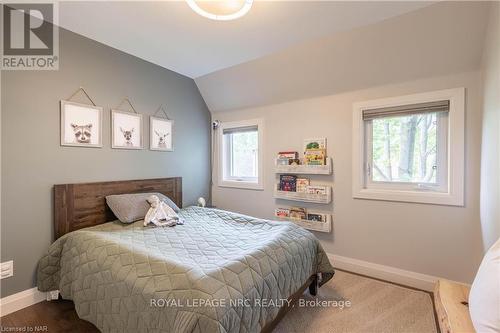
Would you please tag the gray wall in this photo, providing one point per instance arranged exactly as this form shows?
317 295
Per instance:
442 241
33 160
490 156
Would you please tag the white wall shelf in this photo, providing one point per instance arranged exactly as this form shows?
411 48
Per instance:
304 197
311 225
305 169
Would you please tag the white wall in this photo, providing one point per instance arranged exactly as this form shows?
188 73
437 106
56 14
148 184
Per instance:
443 241
490 157
441 39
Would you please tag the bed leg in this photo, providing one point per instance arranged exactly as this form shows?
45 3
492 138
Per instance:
313 287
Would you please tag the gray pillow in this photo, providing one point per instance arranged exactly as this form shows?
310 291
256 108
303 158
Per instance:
132 207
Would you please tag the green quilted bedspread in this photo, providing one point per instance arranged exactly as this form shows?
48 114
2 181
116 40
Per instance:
219 272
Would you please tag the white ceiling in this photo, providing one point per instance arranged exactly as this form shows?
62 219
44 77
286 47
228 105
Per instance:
170 34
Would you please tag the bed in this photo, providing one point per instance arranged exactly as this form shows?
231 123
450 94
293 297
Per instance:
219 272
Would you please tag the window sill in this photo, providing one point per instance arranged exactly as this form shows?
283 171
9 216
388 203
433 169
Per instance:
424 197
241 185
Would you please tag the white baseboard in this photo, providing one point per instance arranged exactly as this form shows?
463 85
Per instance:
21 300
392 274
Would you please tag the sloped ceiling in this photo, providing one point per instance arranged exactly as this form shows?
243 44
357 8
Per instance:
440 39
170 34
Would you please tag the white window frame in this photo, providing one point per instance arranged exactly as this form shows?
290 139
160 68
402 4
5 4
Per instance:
223 151
452 193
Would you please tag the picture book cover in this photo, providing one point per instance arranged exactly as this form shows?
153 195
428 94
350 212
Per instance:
302 184
282 212
316 143
288 154
283 161
288 183
316 189
316 217
298 213
315 157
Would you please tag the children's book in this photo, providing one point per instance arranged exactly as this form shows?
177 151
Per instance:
316 189
282 212
316 143
288 154
298 213
315 157
288 183
302 184
316 217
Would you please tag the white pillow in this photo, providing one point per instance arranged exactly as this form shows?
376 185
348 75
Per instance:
484 297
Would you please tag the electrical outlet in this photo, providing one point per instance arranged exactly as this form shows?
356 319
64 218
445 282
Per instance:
6 269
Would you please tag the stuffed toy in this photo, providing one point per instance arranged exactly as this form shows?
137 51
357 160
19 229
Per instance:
160 214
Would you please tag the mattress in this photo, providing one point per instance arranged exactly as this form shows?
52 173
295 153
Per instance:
219 272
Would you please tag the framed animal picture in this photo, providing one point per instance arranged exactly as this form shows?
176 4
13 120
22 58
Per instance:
160 137
81 125
126 130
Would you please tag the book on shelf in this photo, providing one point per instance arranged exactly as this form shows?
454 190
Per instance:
315 151
316 217
316 143
282 212
298 213
283 161
316 189
288 154
288 183
315 157
301 184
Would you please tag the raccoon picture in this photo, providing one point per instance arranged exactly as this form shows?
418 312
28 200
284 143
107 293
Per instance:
81 125
82 133
127 134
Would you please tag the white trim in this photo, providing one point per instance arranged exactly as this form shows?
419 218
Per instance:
388 273
21 300
456 150
396 275
259 184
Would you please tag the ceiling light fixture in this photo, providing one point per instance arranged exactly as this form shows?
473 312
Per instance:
221 10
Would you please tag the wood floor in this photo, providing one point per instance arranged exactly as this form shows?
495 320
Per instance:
54 316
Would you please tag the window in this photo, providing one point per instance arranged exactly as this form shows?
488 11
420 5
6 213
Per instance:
410 148
241 154
406 146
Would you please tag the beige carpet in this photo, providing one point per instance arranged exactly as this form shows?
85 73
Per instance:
376 306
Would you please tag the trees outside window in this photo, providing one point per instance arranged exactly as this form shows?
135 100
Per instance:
410 148
404 149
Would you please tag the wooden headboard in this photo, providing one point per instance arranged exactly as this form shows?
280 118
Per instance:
84 205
